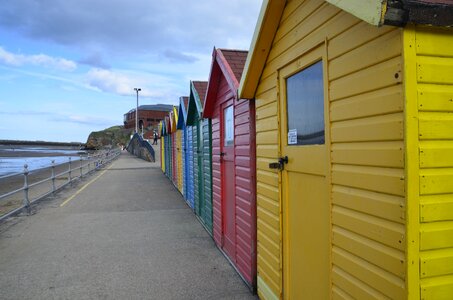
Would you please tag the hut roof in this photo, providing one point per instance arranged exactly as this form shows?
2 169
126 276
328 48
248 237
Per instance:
229 64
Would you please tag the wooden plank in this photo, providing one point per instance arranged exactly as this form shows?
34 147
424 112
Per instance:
267 177
436 154
354 286
384 257
436 263
435 97
267 124
306 19
266 97
331 28
356 36
434 208
267 138
436 126
433 69
267 203
437 288
379 128
380 230
267 151
377 204
375 77
265 112
434 41
383 180
378 102
380 49
436 181
380 154
388 284
436 235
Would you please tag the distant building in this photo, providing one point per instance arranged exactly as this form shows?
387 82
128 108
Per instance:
149 117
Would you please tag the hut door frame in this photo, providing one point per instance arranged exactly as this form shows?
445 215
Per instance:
305 195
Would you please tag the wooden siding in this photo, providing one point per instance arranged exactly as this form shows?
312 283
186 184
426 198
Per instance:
367 155
207 173
180 163
196 168
190 184
434 75
162 153
244 257
223 94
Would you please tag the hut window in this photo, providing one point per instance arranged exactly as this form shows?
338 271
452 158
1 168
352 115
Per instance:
228 126
305 106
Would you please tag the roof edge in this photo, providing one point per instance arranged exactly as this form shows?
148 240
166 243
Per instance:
266 27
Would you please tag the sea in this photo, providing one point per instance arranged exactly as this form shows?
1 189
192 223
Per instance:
14 157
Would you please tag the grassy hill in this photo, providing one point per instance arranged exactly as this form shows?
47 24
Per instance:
112 136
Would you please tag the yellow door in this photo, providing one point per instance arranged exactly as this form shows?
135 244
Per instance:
305 177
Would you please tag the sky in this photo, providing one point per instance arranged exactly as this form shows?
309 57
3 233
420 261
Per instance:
69 67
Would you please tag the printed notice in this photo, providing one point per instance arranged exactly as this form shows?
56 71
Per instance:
292 137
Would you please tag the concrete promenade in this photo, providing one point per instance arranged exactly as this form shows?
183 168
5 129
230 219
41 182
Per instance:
122 233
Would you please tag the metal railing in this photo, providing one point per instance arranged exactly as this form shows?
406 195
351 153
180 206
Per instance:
76 169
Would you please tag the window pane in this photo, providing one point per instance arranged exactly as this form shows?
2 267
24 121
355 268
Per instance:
305 106
229 126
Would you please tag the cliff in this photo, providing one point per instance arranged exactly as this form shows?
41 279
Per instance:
113 136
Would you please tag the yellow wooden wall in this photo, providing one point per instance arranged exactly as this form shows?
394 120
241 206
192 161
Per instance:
368 187
429 60
162 153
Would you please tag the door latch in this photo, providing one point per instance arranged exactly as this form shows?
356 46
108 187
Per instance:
280 165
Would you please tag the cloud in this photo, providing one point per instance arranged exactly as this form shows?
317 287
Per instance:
63 118
123 82
176 56
95 60
136 26
111 82
11 59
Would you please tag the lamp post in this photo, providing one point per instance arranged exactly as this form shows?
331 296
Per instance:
136 111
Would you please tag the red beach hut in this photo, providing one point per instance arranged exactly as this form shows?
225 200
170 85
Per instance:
233 162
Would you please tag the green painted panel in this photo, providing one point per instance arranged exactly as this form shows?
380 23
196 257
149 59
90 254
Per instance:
207 173
196 176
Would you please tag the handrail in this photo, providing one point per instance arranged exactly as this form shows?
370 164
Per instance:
96 161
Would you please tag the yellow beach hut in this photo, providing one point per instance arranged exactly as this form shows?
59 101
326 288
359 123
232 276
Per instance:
179 150
354 137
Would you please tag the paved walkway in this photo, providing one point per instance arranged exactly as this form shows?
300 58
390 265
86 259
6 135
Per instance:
122 233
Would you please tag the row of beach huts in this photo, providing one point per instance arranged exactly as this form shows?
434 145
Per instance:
321 161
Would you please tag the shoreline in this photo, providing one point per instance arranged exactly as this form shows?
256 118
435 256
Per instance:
40 143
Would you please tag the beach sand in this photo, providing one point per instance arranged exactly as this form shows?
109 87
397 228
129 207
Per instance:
16 182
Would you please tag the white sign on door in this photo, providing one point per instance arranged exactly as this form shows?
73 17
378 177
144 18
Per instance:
292 137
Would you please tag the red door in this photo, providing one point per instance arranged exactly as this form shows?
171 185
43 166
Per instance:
227 167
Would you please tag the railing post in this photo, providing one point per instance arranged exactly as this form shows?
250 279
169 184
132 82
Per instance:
26 203
69 173
81 172
53 177
89 162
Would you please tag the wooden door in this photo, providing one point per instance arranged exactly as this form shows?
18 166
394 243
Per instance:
305 178
227 169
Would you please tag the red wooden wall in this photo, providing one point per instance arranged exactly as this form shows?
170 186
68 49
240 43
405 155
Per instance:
245 182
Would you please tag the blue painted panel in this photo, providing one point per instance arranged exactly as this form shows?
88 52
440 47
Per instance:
190 192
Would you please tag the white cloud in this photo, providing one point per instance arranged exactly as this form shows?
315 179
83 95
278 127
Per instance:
43 60
123 82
